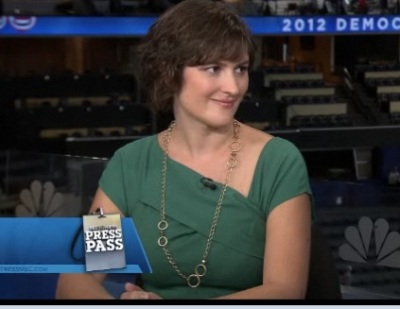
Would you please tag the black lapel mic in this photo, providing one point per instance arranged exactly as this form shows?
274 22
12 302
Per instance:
208 183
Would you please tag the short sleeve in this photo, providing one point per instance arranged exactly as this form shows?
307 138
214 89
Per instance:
282 174
292 176
112 181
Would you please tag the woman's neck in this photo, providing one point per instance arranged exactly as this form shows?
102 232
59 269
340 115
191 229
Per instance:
193 140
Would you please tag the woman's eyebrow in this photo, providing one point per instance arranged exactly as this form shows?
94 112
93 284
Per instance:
243 63
246 62
225 62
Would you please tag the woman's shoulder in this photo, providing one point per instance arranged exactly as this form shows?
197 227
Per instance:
137 147
268 143
255 137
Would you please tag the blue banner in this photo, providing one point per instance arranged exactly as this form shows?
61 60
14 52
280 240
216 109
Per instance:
55 245
138 26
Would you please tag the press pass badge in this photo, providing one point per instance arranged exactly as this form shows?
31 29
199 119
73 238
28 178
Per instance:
104 247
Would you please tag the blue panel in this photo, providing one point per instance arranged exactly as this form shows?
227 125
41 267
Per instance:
138 26
337 25
75 26
43 245
46 243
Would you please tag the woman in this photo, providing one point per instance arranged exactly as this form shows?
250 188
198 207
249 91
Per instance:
222 209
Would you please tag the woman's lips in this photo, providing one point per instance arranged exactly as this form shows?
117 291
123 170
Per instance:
225 102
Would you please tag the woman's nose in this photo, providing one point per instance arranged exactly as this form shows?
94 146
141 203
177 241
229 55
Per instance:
231 84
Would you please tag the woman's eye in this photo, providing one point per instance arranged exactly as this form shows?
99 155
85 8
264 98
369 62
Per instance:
242 69
213 69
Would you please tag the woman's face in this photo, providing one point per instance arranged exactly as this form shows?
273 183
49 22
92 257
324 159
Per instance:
211 93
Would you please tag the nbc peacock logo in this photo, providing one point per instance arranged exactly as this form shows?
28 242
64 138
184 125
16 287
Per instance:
40 200
359 239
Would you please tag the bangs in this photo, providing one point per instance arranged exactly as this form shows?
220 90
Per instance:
223 43
228 50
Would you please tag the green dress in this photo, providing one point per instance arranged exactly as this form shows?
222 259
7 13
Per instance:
132 180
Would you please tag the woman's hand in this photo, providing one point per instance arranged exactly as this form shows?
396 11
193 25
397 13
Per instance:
133 291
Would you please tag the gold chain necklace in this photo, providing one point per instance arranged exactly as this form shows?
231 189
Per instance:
200 270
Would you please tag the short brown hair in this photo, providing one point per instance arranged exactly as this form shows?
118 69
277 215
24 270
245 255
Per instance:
193 32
